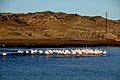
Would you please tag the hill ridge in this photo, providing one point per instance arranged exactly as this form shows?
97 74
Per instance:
55 25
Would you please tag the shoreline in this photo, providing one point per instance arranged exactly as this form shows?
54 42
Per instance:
56 43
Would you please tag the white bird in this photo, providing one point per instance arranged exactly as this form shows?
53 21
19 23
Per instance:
20 51
40 51
74 52
4 54
27 51
104 52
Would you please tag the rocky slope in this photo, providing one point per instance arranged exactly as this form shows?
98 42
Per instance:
56 25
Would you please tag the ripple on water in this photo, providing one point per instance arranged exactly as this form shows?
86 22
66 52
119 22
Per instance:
41 68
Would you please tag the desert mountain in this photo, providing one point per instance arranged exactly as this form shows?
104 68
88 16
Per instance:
55 25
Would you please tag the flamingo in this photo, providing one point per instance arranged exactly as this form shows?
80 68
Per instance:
4 54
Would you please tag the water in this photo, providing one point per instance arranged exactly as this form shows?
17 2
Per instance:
42 68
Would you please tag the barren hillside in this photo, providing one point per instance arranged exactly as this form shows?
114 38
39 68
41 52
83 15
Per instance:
55 25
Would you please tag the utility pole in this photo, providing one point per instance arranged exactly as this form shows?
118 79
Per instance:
106 22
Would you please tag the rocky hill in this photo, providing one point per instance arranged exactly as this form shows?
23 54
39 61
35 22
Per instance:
55 25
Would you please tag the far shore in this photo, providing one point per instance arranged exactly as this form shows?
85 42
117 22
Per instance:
56 43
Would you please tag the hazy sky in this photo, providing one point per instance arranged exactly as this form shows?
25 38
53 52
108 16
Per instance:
81 7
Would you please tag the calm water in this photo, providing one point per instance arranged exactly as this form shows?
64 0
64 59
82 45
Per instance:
42 68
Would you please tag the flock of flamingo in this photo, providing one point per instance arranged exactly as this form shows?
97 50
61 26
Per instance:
62 52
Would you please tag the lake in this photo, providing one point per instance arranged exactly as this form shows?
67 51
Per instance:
42 68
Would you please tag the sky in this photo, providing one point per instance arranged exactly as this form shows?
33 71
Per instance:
81 7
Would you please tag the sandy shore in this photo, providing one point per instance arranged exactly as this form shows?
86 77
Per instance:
56 42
